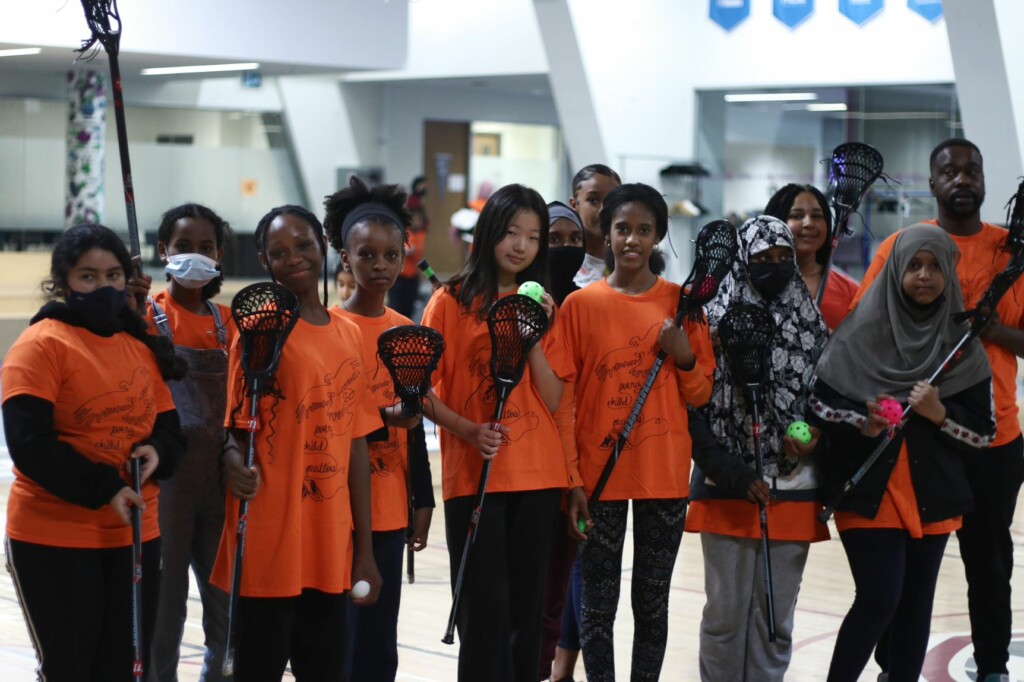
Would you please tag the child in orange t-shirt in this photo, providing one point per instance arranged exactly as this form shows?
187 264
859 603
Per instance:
614 328
367 227
190 240
499 618
83 394
310 485
894 524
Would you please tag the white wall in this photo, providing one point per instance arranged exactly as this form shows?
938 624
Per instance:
406 107
459 38
329 33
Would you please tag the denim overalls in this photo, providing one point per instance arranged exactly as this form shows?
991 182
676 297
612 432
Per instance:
192 506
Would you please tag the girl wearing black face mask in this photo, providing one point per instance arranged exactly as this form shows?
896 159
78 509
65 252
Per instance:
734 621
84 393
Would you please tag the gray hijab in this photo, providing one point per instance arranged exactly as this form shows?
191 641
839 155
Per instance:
889 343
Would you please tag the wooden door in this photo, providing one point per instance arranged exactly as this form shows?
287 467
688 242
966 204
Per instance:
445 153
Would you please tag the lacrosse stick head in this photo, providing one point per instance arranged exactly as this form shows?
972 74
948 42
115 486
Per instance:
1015 222
853 168
265 314
515 324
410 353
714 253
105 24
745 332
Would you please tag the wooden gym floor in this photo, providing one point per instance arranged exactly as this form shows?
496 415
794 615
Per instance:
826 594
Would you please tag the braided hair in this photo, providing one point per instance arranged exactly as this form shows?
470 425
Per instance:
298 212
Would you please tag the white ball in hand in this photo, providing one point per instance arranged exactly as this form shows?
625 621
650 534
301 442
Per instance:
360 589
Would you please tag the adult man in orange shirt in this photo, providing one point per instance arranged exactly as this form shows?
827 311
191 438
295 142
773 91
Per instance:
958 184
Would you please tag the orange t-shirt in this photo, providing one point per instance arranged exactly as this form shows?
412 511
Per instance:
980 261
530 457
839 292
106 394
389 463
413 253
189 329
300 522
612 339
898 508
789 521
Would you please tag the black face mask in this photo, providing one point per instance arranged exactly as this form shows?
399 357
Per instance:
99 310
563 264
770 279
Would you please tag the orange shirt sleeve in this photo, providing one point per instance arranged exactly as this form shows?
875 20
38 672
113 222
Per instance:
884 249
695 383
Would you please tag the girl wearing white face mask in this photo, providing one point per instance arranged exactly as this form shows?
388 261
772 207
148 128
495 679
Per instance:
190 240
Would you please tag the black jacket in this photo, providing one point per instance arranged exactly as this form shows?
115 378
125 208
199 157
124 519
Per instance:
935 454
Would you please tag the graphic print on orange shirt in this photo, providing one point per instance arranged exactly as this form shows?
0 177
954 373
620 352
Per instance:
519 422
627 368
328 406
119 415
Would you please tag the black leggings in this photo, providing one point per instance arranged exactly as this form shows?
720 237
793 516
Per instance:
657 531
78 607
895 578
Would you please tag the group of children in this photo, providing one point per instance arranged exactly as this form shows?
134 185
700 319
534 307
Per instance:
86 388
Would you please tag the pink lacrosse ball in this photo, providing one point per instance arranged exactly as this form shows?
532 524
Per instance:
891 410
704 288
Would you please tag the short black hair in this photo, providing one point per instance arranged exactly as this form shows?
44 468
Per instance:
347 199
221 231
951 142
299 212
587 172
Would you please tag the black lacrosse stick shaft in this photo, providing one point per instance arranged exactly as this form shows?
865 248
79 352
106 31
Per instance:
228 668
137 672
754 398
951 359
503 392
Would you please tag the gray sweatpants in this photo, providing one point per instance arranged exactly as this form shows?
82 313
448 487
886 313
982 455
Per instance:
734 630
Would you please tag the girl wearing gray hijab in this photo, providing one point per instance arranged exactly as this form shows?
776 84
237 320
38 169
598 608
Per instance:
895 523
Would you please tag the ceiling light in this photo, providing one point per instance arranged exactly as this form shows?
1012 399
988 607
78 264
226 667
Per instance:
772 97
202 68
20 52
826 106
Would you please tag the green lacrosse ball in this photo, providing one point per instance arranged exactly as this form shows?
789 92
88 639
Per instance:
799 431
581 526
531 290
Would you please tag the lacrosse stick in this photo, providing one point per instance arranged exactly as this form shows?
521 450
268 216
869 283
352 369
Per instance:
429 273
852 170
746 333
105 24
716 248
980 317
410 353
136 471
265 314
515 324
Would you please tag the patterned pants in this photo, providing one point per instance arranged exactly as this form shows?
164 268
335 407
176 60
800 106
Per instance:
657 531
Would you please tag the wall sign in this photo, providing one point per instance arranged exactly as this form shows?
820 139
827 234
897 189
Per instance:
860 12
729 13
793 12
929 9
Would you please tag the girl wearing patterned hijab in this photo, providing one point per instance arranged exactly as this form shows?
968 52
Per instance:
894 524
734 638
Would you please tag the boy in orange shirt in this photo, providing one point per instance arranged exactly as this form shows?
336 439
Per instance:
958 183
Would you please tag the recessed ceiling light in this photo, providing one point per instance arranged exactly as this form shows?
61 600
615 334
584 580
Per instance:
771 97
826 106
202 68
20 52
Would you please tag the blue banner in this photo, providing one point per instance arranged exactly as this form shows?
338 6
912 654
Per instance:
860 12
793 12
729 13
929 9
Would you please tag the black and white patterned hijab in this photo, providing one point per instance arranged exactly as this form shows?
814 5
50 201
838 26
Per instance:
800 335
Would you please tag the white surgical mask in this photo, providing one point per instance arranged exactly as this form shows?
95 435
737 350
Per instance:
191 270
